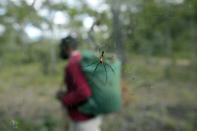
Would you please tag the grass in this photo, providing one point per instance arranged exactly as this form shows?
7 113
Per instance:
163 98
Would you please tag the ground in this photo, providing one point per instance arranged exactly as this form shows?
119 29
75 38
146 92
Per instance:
162 98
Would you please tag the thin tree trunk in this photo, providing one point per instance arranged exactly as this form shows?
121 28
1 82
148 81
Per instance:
193 49
53 53
117 32
91 38
52 48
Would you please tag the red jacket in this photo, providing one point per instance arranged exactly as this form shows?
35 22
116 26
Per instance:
78 90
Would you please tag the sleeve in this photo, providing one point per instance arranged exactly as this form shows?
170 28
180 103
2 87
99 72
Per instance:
82 91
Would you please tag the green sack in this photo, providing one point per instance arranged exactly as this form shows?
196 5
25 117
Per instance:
106 93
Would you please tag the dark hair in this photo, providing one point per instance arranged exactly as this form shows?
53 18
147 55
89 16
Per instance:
69 42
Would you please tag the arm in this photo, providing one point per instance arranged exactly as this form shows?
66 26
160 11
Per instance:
82 91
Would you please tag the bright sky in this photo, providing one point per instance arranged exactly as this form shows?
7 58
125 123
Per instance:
87 22
62 18
94 3
33 32
175 1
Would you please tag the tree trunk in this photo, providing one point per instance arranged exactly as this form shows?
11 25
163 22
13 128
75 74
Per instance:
193 49
53 53
117 32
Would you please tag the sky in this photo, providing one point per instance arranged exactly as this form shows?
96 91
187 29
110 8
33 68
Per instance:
62 18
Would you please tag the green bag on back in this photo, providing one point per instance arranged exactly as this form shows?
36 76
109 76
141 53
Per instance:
106 93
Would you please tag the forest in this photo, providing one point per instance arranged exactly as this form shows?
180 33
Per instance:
155 40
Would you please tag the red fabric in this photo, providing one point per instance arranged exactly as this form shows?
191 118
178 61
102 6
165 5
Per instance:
78 89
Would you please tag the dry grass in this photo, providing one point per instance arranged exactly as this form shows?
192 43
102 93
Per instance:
153 101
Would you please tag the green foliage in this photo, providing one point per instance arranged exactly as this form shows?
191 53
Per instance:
160 37
150 27
161 28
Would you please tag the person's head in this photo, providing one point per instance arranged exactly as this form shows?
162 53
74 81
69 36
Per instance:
67 45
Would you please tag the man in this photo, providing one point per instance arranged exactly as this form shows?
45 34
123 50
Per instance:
78 90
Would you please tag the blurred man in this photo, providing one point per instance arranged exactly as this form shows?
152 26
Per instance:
78 90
